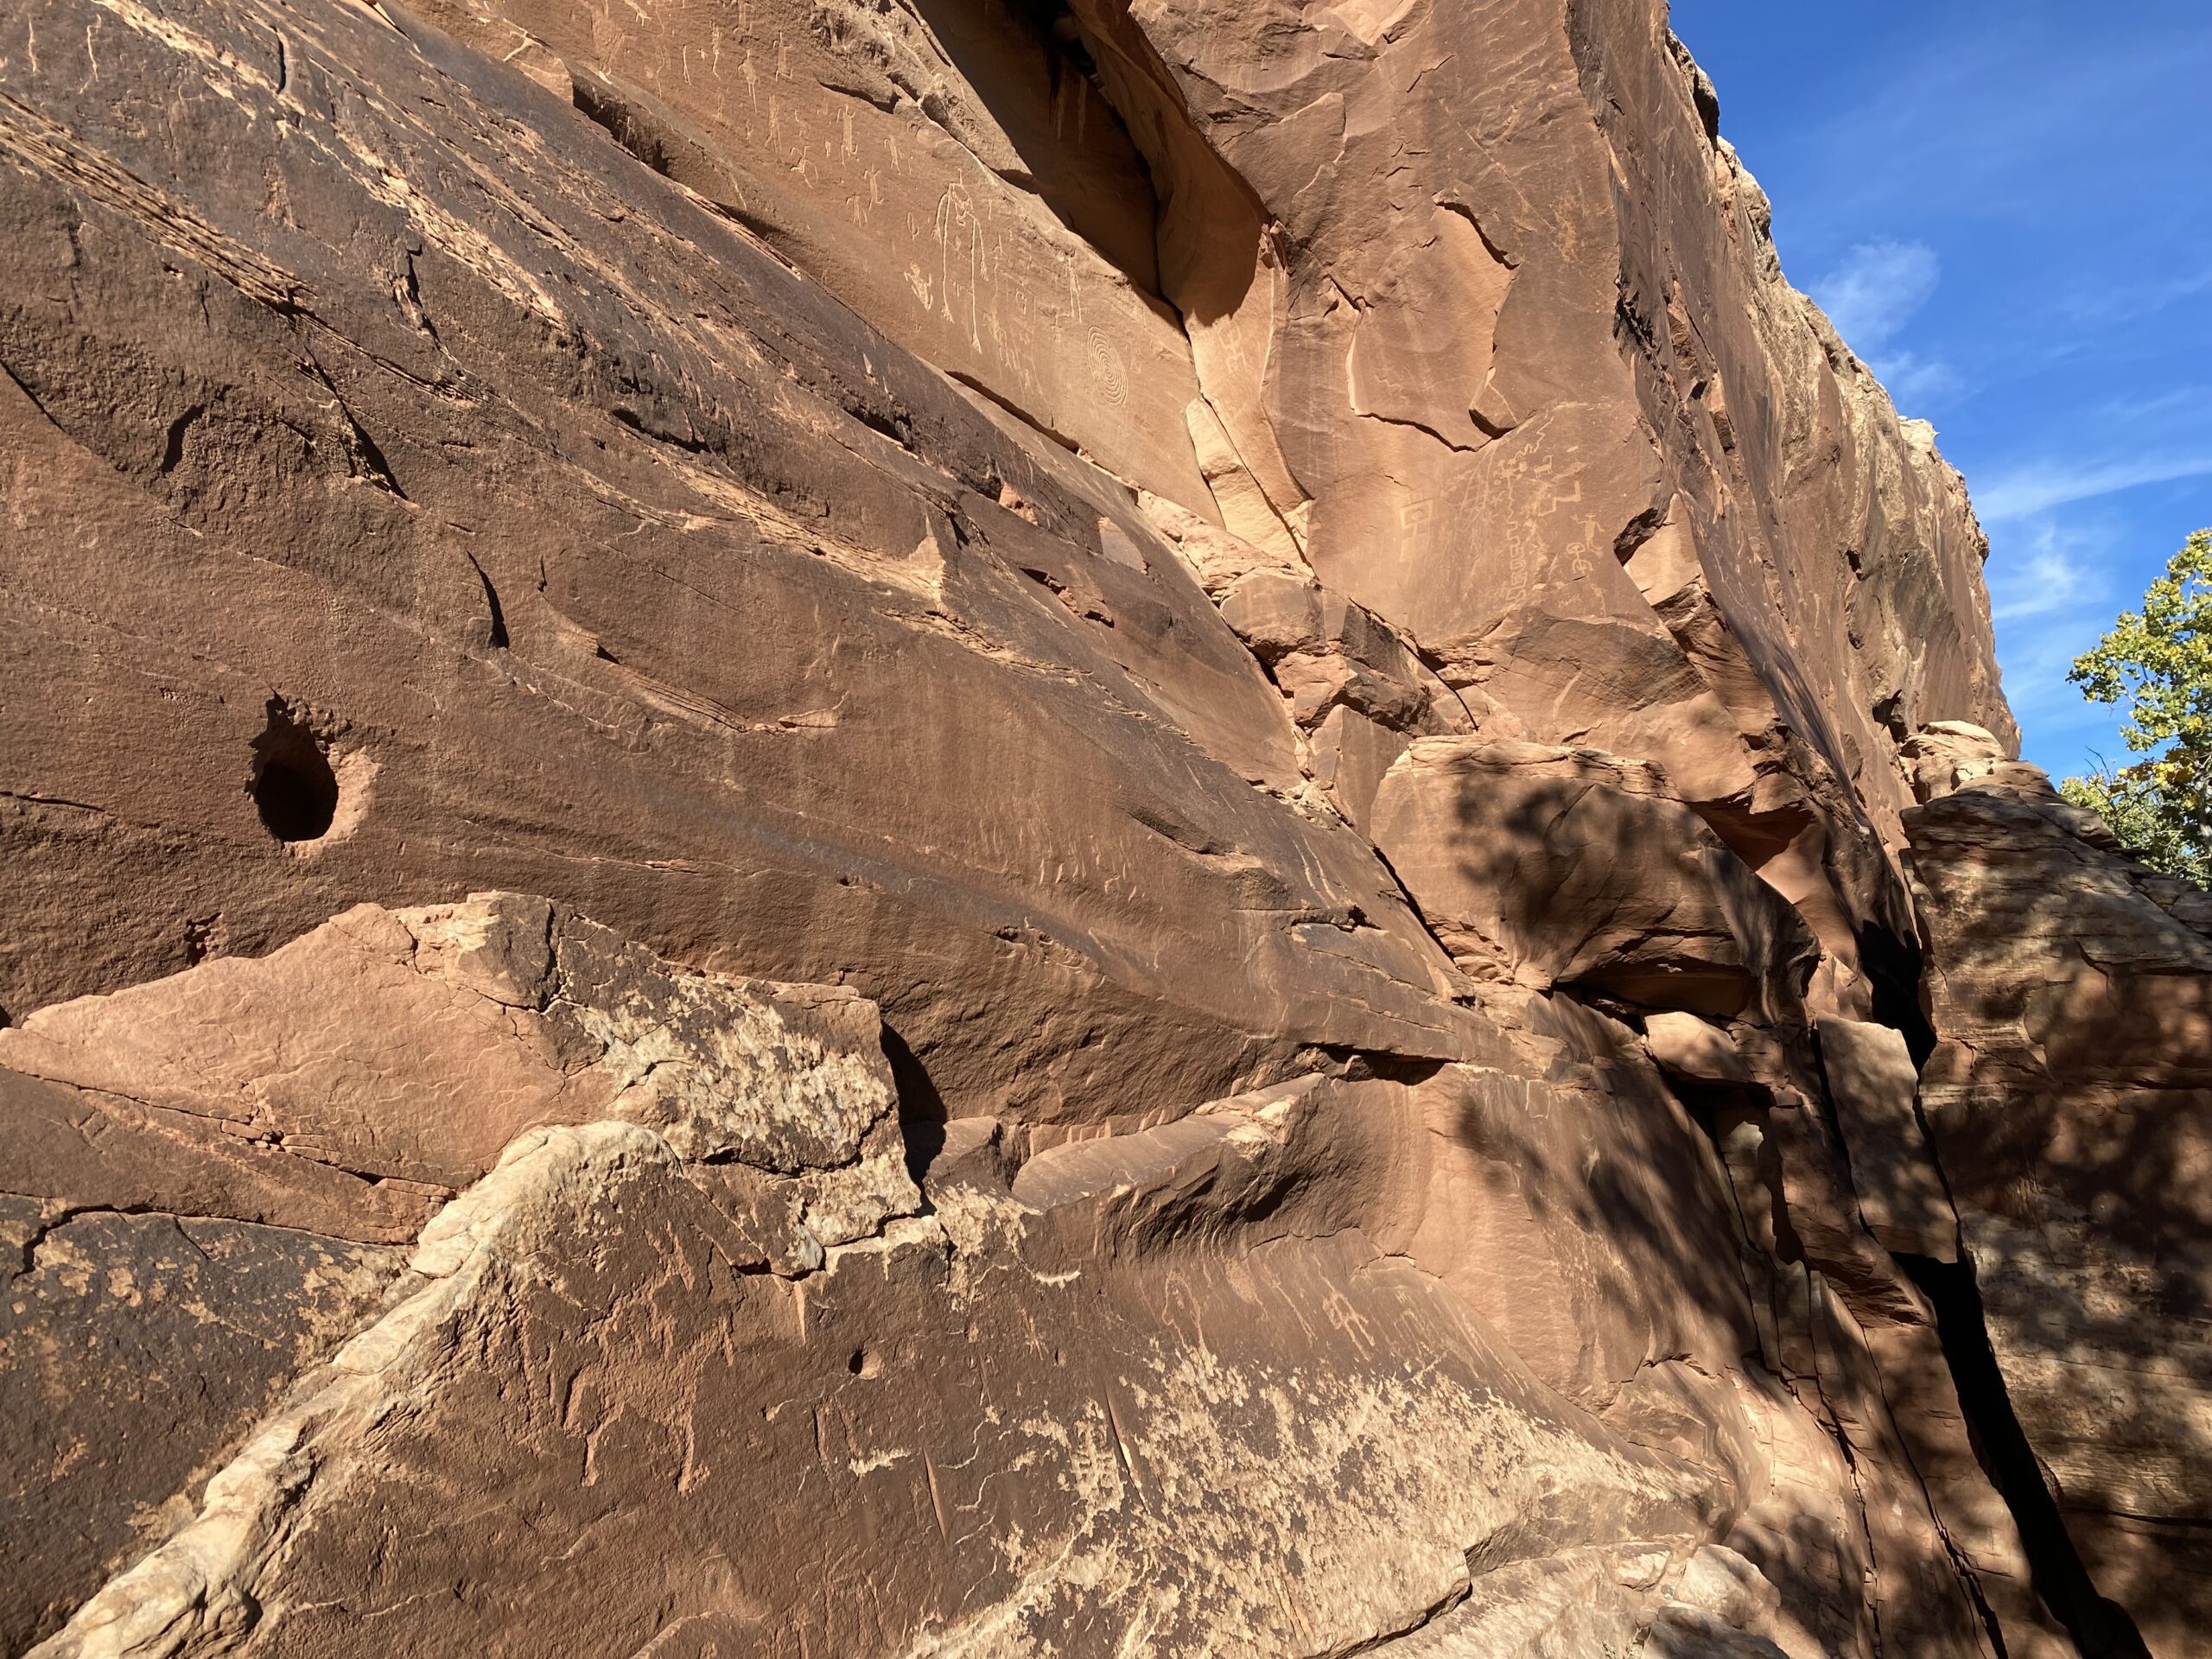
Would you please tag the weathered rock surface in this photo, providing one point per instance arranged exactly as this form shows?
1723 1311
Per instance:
222 1169
523 431
134 1349
1873 1083
1232 689
2070 1099
1161 1384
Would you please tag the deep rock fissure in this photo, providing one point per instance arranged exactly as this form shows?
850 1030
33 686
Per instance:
2100 1627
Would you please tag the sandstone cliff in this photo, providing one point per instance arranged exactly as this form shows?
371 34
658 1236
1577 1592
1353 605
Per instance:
973 828
2070 1097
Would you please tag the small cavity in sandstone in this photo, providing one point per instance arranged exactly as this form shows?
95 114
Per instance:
294 787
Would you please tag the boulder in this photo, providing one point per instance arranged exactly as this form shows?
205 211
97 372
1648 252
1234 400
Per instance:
1946 755
221 1176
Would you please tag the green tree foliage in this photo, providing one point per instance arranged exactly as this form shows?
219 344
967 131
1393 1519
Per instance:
2133 803
2158 661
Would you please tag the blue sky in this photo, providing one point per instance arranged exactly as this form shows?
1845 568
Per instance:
2007 210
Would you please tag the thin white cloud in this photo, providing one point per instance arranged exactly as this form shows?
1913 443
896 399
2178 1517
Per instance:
2055 584
1876 291
1982 122
2062 728
2108 305
1914 382
2030 490
2052 572
2157 410
2051 594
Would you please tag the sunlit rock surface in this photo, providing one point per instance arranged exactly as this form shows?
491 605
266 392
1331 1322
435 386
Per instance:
978 828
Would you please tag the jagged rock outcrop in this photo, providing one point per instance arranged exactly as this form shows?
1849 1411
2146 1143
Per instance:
2069 1098
1232 692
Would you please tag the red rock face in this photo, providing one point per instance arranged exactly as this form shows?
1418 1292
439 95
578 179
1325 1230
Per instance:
1201 711
2070 1099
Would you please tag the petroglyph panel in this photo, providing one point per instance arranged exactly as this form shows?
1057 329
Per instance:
950 169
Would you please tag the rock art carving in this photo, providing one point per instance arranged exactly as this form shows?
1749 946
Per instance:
967 829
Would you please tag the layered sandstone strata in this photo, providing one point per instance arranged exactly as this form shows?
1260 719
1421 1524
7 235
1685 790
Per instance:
1231 690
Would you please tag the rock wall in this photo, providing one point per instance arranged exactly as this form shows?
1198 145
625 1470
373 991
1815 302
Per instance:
2069 1098
968 828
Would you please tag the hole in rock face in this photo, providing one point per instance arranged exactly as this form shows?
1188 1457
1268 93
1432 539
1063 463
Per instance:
294 789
